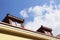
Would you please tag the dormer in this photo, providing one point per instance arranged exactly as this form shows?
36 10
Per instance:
14 21
45 30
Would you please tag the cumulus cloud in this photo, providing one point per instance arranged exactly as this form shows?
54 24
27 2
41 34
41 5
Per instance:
24 13
47 15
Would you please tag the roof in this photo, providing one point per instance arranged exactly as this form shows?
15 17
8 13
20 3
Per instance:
58 36
19 31
44 28
13 18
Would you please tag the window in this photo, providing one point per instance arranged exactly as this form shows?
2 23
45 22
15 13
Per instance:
16 24
47 33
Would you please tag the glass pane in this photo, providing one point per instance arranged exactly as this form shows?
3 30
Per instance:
18 24
47 33
14 23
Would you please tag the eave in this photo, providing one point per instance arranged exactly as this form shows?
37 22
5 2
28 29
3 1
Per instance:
8 29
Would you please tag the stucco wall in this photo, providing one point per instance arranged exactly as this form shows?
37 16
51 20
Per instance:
19 32
11 37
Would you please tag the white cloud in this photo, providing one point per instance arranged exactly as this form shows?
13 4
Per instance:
24 13
30 9
50 17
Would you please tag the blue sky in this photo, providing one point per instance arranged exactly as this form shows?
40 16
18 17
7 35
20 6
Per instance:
35 12
15 6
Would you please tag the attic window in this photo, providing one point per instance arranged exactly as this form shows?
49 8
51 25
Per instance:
16 24
47 33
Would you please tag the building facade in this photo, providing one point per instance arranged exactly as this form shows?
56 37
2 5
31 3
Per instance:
12 28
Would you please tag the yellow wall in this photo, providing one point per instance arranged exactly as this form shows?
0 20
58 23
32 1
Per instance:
15 31
11 37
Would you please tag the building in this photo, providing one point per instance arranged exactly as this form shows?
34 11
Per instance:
14 21
45 30
58 36
12 28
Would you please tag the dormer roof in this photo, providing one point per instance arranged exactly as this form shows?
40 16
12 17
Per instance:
44 28
8 16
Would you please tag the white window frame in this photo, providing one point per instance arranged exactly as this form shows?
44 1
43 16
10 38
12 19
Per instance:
14 23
